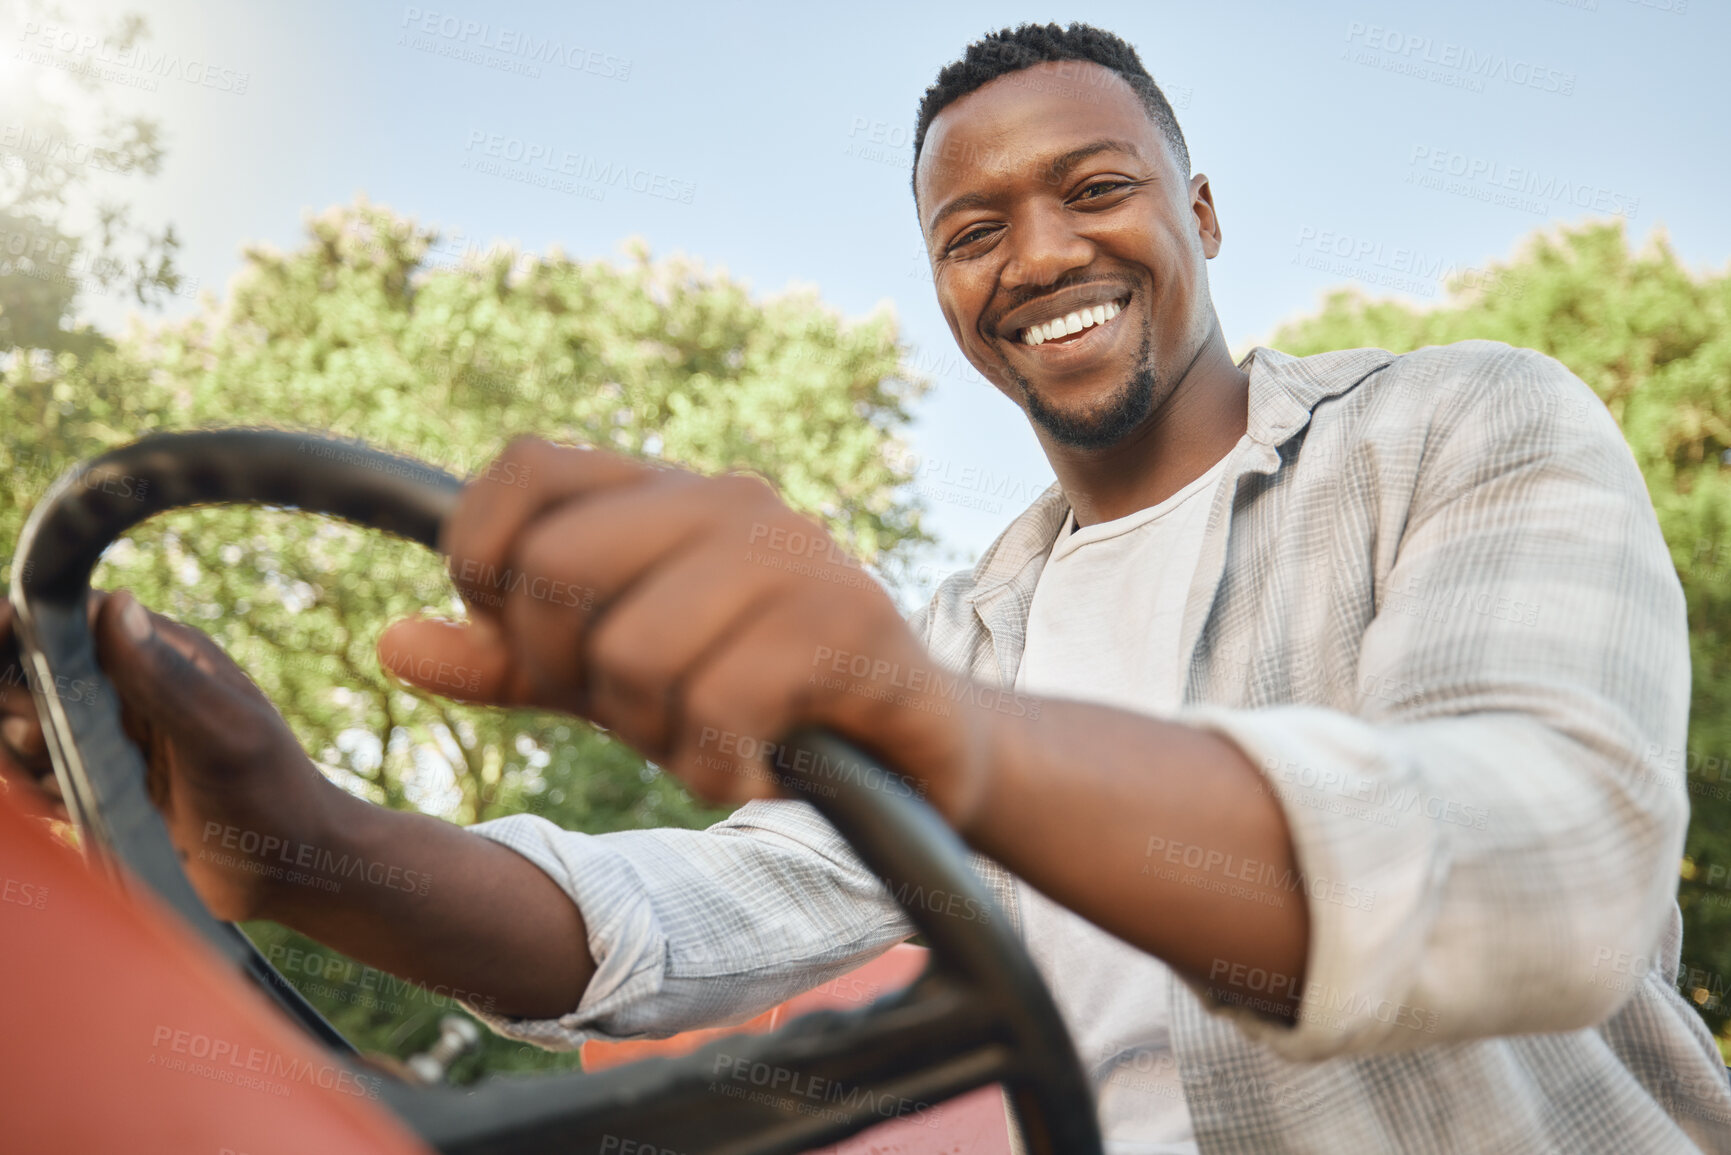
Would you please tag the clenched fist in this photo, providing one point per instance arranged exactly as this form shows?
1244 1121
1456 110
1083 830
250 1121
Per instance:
697 618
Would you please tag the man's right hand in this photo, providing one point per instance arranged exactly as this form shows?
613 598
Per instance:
431 901
226 771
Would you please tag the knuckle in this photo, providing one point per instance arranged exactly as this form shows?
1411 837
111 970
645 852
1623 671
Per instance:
525 448
524 459
616 651
746 490
539 550
710 719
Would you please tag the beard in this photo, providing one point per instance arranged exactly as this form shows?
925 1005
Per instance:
1103 425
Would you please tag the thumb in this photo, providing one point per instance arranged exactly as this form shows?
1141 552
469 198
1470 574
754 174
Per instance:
152 673
467 661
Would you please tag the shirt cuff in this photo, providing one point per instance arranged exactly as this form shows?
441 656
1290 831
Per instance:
624 935
1369 870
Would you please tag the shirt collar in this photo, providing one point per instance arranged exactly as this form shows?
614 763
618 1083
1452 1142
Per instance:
1284 390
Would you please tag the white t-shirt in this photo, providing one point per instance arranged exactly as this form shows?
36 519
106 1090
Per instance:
1104 627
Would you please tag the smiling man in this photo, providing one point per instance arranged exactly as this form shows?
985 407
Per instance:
1305 723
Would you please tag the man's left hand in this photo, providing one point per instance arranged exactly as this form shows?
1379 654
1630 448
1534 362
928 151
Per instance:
695 617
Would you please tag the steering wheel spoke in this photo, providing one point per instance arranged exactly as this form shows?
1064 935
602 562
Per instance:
825 1076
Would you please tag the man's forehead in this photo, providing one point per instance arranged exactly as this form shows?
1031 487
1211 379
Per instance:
1024 121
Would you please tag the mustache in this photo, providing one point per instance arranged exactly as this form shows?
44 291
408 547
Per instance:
1022 296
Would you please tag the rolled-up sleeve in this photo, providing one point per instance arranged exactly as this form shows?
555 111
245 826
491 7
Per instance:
1490 840
698 928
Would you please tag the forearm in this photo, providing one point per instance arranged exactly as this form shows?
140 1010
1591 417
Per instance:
1162 834
490 922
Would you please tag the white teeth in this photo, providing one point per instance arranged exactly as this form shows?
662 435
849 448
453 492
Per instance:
1070 323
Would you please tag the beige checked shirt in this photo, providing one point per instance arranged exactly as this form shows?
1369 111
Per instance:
1435 608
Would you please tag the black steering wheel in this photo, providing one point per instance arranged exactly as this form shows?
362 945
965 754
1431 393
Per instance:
979 1013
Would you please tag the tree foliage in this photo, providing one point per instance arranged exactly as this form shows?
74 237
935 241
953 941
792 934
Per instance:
64 228
358 334
1654 341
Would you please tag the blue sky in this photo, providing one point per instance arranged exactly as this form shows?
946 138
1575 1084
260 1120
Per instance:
1355 142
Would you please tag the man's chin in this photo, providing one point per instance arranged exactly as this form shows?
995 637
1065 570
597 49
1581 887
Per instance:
1099 425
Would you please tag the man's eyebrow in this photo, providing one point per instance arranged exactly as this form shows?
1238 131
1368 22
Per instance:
1059 167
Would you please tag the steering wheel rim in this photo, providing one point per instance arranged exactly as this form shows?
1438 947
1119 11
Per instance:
979 1014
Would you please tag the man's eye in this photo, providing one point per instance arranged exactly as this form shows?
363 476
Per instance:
968 238
1100 188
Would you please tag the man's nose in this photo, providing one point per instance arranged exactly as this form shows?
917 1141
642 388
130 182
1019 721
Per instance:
1044 248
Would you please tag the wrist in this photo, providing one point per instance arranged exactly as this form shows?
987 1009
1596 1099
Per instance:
988 740
329 826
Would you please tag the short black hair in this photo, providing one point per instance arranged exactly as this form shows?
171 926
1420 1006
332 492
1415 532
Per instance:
1011 50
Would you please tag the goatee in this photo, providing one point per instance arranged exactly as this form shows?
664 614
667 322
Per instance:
1105 426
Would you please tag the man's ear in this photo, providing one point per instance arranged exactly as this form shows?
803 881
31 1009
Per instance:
1207 220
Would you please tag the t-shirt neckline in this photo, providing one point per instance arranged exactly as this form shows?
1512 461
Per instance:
1071 538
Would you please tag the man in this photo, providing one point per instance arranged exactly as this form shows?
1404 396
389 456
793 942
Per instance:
1303 724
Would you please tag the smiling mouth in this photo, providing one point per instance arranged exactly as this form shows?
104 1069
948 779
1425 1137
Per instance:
1070 327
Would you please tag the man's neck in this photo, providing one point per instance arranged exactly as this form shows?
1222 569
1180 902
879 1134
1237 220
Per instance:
1193 427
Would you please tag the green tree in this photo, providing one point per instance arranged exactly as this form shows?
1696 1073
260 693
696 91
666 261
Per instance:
64 230
1654 342
363 334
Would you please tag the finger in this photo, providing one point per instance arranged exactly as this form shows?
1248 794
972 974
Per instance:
169 673
465 661
30 795
641 651
528 478
23 739
14 688
573 562
22 742
743 699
